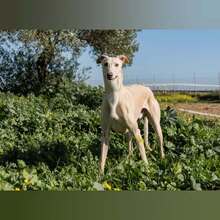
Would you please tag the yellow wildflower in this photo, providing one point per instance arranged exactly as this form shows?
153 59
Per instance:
106 186
117 189
27 182
17 189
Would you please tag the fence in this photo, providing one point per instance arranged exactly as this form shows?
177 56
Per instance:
176 82
194 82
183 87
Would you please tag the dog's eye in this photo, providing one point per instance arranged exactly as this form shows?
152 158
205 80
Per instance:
105 64
116 64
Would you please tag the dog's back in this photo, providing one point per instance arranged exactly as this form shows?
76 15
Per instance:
139 91
137 97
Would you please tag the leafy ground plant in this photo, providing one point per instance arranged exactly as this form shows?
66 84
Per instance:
52 142
176 97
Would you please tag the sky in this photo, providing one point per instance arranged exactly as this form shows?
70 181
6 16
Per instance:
179 56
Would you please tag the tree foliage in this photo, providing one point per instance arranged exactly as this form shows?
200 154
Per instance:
32 58
53 43
111 42
17 62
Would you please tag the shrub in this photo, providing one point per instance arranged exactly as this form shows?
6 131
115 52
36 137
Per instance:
176 97
51 142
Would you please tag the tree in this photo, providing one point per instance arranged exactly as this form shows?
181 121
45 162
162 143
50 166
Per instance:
15 62
52 42
112 42
29 58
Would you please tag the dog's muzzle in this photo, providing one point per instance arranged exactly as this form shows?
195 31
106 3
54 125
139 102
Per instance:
110 77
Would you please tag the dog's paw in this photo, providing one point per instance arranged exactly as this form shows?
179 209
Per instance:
162 156
114 116
148 147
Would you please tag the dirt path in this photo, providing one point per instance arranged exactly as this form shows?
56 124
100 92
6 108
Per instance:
198 113
206 109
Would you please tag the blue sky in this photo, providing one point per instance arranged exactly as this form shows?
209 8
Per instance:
170 56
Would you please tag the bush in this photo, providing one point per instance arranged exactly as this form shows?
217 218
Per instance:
176 97
52 142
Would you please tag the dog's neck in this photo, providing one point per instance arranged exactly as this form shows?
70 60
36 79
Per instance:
114 86
112 91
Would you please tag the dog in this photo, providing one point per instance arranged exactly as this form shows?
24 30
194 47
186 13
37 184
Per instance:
122 106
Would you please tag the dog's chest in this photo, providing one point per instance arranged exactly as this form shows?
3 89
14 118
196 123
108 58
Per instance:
117 109
113 99
114 104
117 119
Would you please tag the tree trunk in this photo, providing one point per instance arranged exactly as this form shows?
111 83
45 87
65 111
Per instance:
43 61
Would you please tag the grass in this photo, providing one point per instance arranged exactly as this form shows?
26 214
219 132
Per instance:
52 142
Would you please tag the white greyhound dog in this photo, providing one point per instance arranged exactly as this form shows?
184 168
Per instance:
122 106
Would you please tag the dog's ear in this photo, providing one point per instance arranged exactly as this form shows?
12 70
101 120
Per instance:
123 58
101 58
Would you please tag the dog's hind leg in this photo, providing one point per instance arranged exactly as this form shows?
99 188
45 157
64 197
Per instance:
140 143
146 133
133 127
153 114
130 144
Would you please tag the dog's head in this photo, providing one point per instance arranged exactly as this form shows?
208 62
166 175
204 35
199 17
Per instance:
112 66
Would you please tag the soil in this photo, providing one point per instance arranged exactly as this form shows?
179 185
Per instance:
211 108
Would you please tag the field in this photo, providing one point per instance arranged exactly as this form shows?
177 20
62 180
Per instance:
52 142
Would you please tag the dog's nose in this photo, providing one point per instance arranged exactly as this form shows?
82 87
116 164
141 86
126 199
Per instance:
109 75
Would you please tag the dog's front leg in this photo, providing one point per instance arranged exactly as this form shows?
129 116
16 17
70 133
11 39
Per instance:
104 149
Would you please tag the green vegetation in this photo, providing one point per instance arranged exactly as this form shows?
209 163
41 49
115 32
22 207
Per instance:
187 97
52 142
50 125
209 97
176 97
